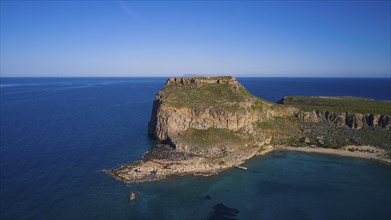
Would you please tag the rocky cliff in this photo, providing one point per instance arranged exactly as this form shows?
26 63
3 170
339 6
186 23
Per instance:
209 103
207 124
347 119
349 112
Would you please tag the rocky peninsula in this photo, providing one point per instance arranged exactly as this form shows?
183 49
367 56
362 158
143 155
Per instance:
204 125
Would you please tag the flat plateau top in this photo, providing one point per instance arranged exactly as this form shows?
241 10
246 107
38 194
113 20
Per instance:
338 104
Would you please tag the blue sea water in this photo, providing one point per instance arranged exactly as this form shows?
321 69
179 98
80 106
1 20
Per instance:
58 134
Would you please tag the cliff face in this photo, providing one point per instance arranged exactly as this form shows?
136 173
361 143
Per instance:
347 119
352 112
169 118
168 121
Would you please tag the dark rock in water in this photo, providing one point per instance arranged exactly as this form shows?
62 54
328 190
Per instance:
132 196
207 197
222 212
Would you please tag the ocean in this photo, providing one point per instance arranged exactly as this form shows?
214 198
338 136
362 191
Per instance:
58 135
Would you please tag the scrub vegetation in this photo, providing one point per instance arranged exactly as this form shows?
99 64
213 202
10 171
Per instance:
338 104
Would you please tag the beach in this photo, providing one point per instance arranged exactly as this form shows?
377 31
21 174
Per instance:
364 152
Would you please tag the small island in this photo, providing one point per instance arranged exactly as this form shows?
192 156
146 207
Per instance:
204 125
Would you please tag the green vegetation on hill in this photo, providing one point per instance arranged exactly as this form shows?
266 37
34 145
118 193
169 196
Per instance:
211 136
219 96
338 104
282 130
332 136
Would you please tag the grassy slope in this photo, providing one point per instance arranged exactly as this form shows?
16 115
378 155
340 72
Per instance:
211 136
336 137
218 96
282 130
339 104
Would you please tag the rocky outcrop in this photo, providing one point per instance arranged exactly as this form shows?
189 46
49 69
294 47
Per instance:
384 121
207 124
168 120
346 119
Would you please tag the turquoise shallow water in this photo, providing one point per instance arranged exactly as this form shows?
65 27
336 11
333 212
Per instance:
281 185
58 134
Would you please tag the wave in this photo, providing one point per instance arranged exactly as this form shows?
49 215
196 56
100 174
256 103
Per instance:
70 84
73 87
18 85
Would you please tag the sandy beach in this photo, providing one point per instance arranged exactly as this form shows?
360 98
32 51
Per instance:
364 152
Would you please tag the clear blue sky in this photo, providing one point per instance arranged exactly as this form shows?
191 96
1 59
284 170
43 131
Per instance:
84 38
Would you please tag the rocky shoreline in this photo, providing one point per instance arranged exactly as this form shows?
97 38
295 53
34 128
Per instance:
163 161
154 169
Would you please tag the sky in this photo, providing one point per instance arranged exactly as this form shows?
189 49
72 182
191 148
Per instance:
241 38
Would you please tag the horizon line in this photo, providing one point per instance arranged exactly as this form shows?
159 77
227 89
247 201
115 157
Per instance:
380 77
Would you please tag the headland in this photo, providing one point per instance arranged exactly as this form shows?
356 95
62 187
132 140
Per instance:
204 125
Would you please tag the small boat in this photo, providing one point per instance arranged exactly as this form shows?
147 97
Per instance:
240 167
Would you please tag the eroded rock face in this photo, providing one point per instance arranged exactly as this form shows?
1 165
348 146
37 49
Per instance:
167 120
351 120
